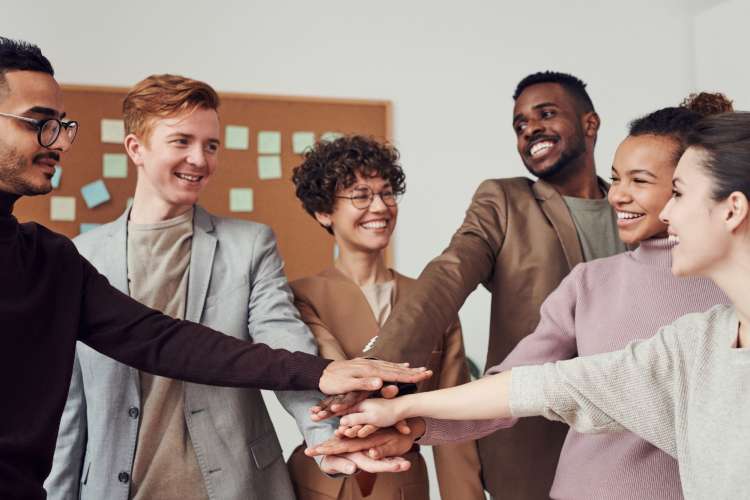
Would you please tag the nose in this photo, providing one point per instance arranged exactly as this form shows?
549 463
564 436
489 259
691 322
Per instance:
197 157
62 143
533 128
664 215
618 195
377 204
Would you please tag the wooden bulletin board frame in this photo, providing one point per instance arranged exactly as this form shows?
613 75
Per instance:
304 245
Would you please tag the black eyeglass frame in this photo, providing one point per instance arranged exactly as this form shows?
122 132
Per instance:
371 197
40 124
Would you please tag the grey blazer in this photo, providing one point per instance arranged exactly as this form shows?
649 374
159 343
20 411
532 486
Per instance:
237 286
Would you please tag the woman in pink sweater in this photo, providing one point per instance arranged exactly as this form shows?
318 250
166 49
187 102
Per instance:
605 304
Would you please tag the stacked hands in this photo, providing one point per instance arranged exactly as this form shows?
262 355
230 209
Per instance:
372 434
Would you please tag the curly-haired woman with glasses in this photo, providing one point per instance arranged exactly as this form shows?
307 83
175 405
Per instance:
351 186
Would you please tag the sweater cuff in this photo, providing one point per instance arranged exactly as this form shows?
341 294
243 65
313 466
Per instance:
310 370
527 391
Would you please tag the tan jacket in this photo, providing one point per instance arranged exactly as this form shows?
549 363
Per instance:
341 320
518 240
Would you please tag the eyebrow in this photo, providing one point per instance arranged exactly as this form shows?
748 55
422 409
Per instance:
41 110
538 106
642 171
189 136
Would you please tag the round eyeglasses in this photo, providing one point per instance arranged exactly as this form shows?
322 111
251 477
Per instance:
49 129
362 197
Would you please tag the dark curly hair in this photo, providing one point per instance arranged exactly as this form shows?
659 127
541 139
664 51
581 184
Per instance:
677 122
330 166
574 86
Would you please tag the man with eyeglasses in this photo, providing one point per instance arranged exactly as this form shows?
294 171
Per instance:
50 297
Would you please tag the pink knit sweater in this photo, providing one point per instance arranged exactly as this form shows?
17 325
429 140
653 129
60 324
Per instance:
602 306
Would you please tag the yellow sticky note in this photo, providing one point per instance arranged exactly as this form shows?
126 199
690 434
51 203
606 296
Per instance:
115 166
301 141
237 137
62 208
269 167
269 142
113 131
241 200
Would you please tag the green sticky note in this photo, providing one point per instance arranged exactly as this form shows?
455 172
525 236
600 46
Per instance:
237 137
301 141
241 200
330 136
115 166
269 142
129 203
62 208
113 131
269 167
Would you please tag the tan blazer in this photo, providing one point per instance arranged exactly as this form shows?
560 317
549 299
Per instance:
519 240
341 320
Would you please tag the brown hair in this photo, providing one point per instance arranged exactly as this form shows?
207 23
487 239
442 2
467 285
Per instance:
161 96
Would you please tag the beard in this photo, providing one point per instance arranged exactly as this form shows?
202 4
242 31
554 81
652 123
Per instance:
12 178
571 153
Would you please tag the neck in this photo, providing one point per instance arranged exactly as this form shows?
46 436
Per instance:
578 180
363 268
149 208
732 279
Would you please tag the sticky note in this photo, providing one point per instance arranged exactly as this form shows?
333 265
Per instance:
241 200
301 141
269 167
95 193
62 208
114 166
113 131
269 142
129 203
237 137
330 136
87 226
56 177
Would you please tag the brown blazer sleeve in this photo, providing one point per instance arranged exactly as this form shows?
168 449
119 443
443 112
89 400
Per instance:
328 346
418 321
131 333
457 465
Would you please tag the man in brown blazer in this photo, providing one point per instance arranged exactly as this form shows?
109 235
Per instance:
519 239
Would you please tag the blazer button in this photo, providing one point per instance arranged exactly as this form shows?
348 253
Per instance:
123 477
134 412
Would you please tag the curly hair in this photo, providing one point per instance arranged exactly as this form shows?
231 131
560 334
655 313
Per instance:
330 166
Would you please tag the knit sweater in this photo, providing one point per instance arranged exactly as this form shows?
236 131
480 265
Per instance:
50 297
685 391
601 306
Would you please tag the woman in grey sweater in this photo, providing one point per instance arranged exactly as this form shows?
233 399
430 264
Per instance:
684 390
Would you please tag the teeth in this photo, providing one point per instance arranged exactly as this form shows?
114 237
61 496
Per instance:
628 215
673 238
191 178
376 224
540 147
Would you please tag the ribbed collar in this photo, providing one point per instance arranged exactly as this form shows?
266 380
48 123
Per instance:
655 252
8 223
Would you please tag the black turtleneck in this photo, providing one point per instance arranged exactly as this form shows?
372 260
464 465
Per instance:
50 297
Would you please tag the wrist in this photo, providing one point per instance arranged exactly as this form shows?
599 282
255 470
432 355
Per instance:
418 427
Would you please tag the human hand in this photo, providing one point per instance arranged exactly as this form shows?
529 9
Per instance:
383 443
339 404
367 375
348 463
376 412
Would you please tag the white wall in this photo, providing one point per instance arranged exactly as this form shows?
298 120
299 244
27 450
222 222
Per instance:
449 68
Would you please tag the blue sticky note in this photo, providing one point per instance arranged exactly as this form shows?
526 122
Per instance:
95 193
56 178
87 226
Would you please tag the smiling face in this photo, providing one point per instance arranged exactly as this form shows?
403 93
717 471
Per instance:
179 157
26 168
642 185
549 129
366 230
695 219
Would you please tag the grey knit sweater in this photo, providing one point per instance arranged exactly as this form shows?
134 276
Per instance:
686 390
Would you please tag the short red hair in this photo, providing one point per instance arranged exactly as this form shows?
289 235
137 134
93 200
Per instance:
162 96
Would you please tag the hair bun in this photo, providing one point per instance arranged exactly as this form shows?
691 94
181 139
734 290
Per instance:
707 103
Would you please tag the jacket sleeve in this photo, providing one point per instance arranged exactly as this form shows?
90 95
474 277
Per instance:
328 346
457 465
131 333
418 321
554 339
64 480
273 320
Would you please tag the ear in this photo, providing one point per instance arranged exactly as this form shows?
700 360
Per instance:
324 219
736 210
134 148
591 123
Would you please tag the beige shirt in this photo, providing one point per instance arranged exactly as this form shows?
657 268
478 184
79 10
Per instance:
380 298
596 225
165 465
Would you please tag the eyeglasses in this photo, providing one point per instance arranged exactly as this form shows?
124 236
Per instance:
48 129
363 196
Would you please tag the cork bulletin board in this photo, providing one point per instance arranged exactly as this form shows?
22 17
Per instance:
262 140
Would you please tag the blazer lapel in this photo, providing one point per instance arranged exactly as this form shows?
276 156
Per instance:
201 264
115 268
557 212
